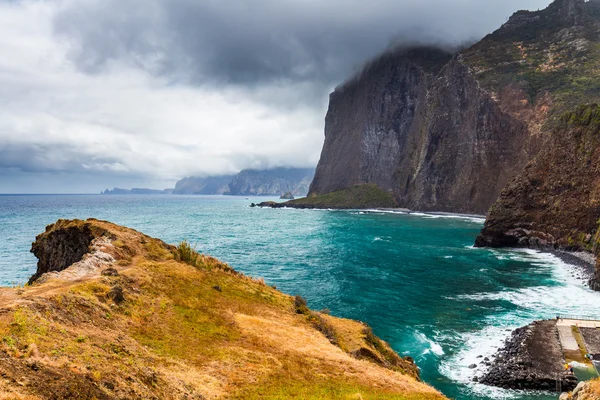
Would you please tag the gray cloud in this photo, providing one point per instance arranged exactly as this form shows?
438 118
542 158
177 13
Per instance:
255 41
143 92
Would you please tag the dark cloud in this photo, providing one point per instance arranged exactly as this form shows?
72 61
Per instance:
99 93
255 41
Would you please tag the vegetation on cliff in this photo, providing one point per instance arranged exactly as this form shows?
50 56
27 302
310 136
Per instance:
134 317
357 197
551 52
589 390
555 202
447 133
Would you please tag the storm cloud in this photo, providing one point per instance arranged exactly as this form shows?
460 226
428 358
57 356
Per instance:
143 92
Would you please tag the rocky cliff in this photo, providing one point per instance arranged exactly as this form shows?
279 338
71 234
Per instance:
272 182
555 202
446 132
250 182
205 185
114 314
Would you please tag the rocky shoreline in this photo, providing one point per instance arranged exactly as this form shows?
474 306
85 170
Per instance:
531 359
584 262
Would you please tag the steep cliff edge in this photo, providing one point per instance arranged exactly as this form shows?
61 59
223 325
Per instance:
555 202
115 314
447 132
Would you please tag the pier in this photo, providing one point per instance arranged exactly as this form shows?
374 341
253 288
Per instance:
580 337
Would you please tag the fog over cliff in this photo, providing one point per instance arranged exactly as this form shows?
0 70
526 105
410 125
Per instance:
99 93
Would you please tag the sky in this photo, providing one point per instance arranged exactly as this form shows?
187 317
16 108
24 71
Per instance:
98 94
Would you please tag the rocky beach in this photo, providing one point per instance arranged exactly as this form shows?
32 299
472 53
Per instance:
532 359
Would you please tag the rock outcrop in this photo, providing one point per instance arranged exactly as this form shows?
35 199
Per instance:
115 314
63 244
531 359
584 391
555 202
357 197
446 132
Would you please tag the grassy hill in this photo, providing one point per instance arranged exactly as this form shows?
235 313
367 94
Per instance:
136 318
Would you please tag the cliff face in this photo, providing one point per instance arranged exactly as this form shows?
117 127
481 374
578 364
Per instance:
447 133
250 182
115 314
555 202
273 182
430 135
207 185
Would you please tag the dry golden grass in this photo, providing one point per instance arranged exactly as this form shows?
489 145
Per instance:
201 331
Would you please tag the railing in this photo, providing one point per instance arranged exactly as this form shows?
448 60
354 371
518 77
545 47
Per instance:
596 365
579 317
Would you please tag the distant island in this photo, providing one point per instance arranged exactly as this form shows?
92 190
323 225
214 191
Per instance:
137 191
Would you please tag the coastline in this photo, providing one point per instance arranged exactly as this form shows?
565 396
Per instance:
584 261
399 210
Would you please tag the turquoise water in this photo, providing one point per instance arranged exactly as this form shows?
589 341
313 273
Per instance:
414 278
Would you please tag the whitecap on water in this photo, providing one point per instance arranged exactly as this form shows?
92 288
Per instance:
382 239
471 218
565 296
432 346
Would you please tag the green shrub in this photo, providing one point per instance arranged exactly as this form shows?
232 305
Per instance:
391 359
186 253
300 305
324 327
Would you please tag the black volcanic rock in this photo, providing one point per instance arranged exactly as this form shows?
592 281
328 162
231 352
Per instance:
531 359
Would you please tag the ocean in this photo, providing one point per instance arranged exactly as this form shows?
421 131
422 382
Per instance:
416 279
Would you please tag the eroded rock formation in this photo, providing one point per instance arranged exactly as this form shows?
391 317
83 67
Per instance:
555 202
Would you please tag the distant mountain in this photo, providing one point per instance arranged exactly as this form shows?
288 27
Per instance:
250 182
272 182
206 185
137 191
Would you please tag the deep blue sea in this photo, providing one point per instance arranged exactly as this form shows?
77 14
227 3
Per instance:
416 279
